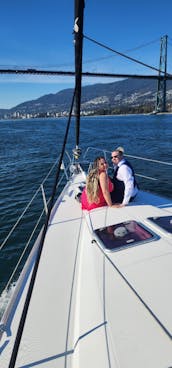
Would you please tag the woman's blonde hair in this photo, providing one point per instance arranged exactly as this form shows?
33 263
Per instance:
92 182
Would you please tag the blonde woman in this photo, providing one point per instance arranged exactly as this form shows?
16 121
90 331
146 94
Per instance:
98 186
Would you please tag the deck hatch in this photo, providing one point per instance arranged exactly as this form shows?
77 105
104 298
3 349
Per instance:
124 235
164 222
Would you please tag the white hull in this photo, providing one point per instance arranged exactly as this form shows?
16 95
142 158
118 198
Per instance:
91 307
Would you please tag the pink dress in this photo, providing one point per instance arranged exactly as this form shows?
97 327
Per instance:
89 206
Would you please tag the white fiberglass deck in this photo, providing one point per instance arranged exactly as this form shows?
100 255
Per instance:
92 308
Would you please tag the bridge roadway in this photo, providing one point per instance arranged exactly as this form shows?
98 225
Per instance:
84 74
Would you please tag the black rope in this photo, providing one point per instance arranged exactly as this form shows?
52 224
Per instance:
121 54
34 273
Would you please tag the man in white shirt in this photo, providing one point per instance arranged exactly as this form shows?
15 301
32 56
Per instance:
125 186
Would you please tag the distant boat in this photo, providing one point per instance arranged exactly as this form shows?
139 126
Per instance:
154 112
96 288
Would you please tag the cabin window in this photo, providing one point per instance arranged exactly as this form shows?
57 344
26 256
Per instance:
164 222
124 235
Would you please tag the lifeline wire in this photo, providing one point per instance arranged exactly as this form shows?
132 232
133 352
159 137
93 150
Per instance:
31 286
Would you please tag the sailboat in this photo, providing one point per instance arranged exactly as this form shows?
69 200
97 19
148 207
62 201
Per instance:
87 297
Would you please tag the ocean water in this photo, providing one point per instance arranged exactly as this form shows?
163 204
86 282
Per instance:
29 148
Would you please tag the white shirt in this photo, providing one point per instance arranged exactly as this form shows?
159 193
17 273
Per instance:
125 174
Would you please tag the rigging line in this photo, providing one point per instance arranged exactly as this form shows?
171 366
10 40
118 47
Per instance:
34 273
126 56
23 253
131 156
30 238
150 160
133 289
28 205
20 217
92 233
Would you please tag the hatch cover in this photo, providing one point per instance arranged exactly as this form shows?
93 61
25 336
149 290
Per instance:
164 222
124 234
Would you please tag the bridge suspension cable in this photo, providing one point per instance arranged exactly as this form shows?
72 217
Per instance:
114 55
87 61
122 54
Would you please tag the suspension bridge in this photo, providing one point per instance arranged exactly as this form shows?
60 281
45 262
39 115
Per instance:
162 76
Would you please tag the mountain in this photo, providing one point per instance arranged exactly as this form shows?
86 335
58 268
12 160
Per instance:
116 95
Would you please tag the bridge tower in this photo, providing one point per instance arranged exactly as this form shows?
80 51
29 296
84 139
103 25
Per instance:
161 88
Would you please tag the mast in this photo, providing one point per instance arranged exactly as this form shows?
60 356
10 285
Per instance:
78 41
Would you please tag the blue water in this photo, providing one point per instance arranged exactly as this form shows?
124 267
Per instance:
28 148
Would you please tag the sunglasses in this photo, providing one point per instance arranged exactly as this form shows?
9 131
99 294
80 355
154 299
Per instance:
115 156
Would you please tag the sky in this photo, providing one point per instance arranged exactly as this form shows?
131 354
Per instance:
39 34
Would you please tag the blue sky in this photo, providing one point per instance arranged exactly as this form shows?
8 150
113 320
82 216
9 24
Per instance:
38 34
